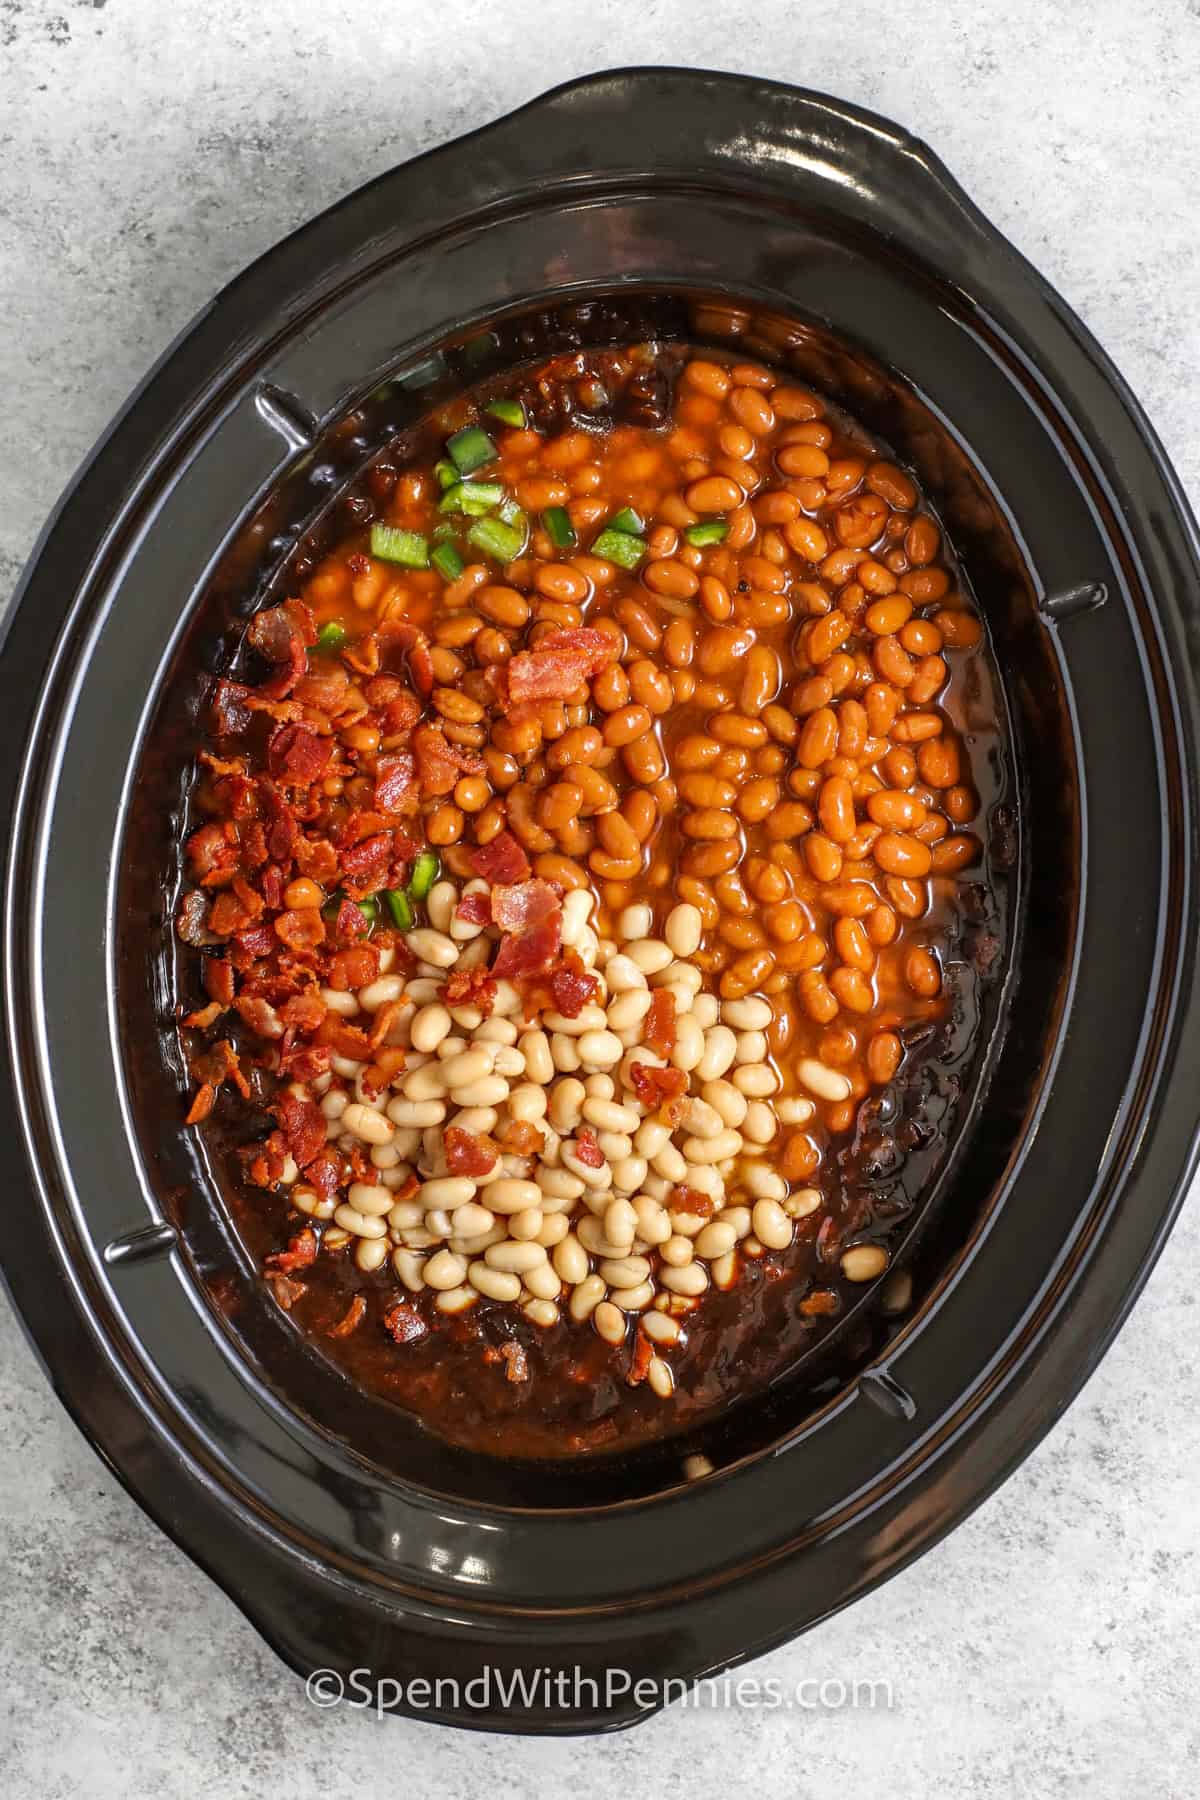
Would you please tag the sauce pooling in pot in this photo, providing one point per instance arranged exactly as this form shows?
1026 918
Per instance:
592 887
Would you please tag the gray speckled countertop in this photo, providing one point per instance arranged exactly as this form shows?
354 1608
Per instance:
147 152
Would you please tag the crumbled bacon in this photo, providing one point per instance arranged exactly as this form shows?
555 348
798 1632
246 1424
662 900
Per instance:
470 987
297 754
656 1087
303 1125
559 666
301 1253
368 861
516 1361
350 1320
658 1032
528 903
572 986
285 1290
468 1153
191 921
529 952
686 1199
202 1104
474 909
405 1323
207 1015
396 783
228 711
439 762
643 1355
820 1303
354 968
209 849
301 930
501 860
216 973
587 1150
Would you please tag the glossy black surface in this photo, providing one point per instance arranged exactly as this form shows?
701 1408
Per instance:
677 186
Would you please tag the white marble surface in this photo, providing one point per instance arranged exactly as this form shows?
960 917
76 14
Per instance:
149 149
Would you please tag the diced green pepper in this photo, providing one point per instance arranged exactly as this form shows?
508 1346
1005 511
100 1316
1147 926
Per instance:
331 637
447 561
424 874
391 544
620 547
400 908
470 448
559 528
627 520
473 497
446 473
509 412
709 531
495 538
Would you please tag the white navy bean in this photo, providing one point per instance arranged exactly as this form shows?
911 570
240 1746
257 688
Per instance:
683 929
516 1259
717 1149
689 1047
490 1090
542 1282
609 1322
634 922
772 1226
379 992
367 1124
430 1025
821 1080
432 947
497 1284
757 1080
720 1048
513 1195
690 1280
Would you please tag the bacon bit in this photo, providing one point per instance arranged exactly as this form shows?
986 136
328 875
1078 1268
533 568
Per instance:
301 930
208 848
405 1323
202 1105
286 1291
400 714
228 712
304 1062
255 847
560 665
522 1138
529 903
191 921
363 657
344 1039
217 976
231 1069
474 909
439 762
643 1355
303 1012
301 1253
296 754
208 1015
691 1200
324 1175
821 1301
470 987
385 1018
383 1071
656 1087
315 858
303 1126
468 1153
587 1150
367 862
503 859
658 1032
256 943
396 783
530 952
354 968
350 1321
516 1360
572 986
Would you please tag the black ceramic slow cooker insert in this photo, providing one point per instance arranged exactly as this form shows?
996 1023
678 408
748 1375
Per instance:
646 202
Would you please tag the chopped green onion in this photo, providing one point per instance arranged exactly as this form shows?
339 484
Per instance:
559 528
495 538
511 513
620 547
627 520
446 473
470 448
445 530
391 544
424 874
474 497
369 908
710 531
331 637
447 561
509 412
400 908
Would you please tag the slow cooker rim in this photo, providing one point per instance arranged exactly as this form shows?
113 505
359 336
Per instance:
848 113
